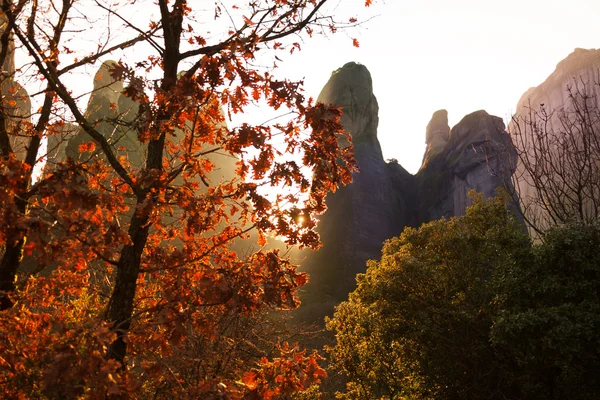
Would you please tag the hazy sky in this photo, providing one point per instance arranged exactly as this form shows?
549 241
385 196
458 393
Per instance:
461 55
424 55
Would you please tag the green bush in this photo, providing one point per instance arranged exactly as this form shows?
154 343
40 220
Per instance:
468 308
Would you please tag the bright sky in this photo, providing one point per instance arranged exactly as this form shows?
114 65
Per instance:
424 55
461 55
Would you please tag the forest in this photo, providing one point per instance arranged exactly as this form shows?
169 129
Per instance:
148 228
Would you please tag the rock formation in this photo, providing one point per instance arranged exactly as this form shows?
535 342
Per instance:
556 128
436 135
369 198
384 198
114 116
581 67
362 215
16 105
477 155
112 113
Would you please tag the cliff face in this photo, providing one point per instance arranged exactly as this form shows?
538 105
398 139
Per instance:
362 215
112 113
556 128
15 102
368 198
477 154
580 68
384 198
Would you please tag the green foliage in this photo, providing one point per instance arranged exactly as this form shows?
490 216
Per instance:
550 319
417 325
468 308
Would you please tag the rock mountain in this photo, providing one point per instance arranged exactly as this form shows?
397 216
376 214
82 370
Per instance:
477 153
556 128
384 198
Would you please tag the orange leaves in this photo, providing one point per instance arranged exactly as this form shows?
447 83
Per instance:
246 136
270 280
289 373
332 163
250 379
87 147
52 344
301 279
262 240
199 40
355 42
255 93
28 249
295 46
192 274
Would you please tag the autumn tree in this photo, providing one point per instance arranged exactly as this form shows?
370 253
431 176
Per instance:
132 256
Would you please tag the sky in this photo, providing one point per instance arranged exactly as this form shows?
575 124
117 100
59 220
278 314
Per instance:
459 55
423 55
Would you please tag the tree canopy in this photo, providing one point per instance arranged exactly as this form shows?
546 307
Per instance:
549 315
119 274
467 308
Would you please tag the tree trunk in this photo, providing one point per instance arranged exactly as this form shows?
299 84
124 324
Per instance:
120 306
11 259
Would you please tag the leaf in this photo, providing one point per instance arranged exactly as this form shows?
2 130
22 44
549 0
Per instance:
249 379
302 279
87 147
146 240
262 240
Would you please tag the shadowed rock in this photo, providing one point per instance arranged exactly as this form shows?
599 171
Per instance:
363 214
16 104
436 135
384 198
111 113
479 155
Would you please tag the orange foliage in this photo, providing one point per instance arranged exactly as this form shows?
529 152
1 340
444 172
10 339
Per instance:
137 281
